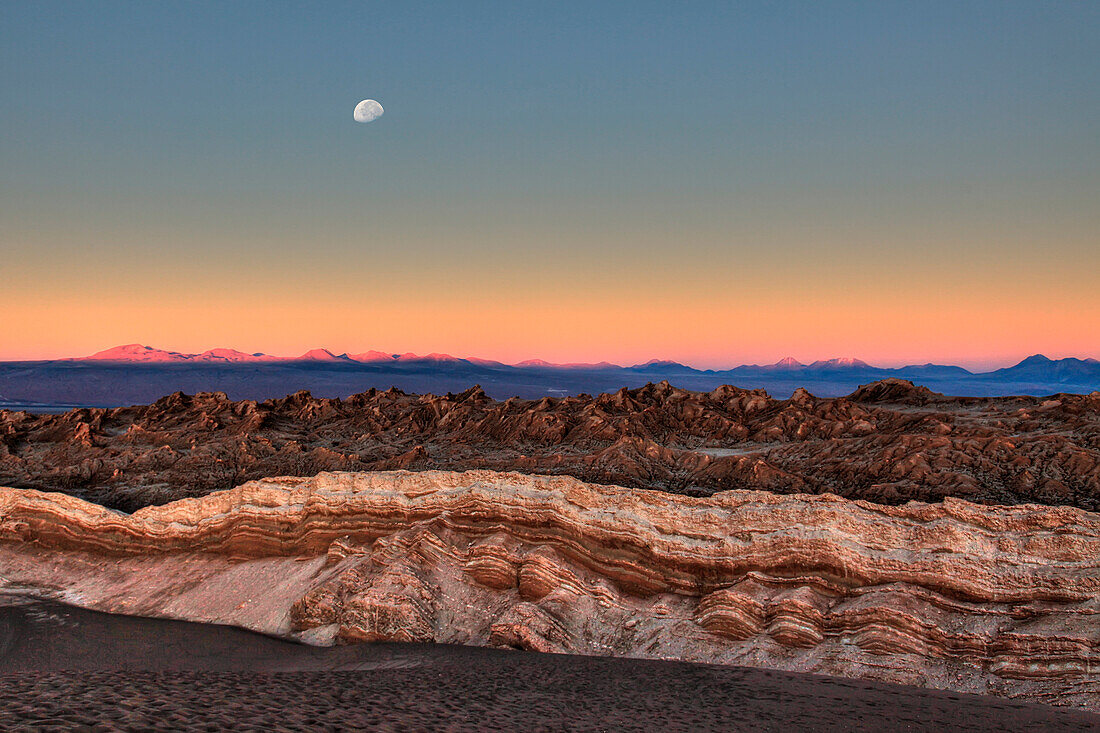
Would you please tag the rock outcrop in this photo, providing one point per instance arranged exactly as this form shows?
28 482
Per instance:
889 442
990 599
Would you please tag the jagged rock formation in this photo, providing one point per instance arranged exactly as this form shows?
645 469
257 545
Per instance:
989 599
888 442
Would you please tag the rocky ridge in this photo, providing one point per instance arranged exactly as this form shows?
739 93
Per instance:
955 595
888 442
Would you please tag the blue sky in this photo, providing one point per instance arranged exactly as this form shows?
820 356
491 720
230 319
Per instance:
685 149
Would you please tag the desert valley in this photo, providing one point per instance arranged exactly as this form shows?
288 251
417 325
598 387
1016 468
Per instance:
894 534
555 367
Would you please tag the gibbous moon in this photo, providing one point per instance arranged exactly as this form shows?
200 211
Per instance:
367 111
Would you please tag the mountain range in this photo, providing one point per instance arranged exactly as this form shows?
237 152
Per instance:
135 373
136 353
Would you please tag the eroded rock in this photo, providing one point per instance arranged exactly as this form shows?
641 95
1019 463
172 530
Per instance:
990 599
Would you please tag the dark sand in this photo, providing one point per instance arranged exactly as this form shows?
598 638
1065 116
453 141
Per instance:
63 668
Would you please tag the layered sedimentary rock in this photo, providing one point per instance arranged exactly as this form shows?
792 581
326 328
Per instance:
888 442
990 599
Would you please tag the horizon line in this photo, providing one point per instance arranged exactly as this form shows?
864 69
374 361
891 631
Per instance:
131 353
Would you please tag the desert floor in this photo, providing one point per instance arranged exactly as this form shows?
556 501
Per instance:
65 668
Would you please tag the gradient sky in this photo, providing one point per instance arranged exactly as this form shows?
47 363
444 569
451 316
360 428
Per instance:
717 184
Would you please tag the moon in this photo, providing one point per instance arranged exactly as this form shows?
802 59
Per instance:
367 111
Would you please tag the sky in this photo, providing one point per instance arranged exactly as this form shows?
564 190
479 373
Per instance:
716 183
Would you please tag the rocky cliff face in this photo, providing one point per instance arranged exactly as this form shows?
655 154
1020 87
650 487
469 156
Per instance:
989 599
888 442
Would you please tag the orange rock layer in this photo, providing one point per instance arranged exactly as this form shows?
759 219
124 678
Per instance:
990 599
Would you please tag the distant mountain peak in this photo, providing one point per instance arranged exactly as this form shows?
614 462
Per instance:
321 355
542 363
231 355
788 362
370 356
1067 371
659 364
484 362
136 352
226 353
434 356
847 362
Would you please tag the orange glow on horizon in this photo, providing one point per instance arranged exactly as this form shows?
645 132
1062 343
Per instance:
627 300
704 329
